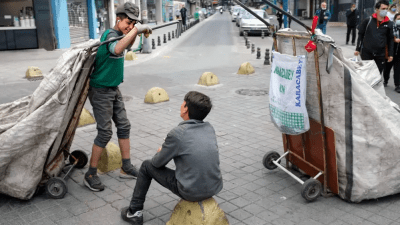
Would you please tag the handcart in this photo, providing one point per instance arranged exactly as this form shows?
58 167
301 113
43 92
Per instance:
312 152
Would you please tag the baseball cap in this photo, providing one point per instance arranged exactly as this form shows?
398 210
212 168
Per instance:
130 9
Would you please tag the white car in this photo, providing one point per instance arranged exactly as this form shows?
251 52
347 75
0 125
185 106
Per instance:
251 24
239 16
235 13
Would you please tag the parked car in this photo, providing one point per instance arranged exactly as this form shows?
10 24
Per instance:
251 24
235 12
239 16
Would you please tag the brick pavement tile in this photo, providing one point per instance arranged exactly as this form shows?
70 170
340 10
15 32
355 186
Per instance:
232 220
251 196
280 210
71 221
159 211
16 203
112 198
254 208
14 221
227 195
155 221
240 202
389 214
118 205
283 221
309 222
323 218
254 221
60 216
27 210
163 199
127 193
150 203
275 187
395 223
53 210
267 216
5 209
380 220
351 219
361 213
120 187
339 222
250 177
47 204
78 209
97 203
228 207
44 221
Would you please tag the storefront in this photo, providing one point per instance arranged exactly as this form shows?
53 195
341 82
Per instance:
17 25
103 22
78 20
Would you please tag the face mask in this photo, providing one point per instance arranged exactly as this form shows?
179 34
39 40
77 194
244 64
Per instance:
383 13
394 10
398 22
323 8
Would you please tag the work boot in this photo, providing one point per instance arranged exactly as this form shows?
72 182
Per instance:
128 173
93 183
385 84
397 89
135 218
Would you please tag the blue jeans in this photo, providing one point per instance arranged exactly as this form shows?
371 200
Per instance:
322 27
108 105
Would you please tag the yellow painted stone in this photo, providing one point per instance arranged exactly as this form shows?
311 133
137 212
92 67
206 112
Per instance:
85 118
110 159
33 72
246 69
130 56
206 212
208 79
156 95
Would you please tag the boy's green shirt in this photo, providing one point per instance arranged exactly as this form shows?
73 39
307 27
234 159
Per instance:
109 68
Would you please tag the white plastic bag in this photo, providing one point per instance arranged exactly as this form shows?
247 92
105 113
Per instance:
287 94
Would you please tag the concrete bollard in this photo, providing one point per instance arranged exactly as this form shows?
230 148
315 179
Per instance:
262 34
153 43
258 53
33 72
245 41
253 48
110 158
165 39
208 79
173 36
176 32
266 62
85 118
169 36
246 69
159 41
248 44
156 95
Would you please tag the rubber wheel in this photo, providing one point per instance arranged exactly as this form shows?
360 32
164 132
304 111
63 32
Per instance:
311 189
82 158
56 188
267 160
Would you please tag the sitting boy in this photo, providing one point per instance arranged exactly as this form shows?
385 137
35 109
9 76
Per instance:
193 147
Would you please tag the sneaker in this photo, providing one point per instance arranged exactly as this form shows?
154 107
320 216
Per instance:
93 183
397 89
129 174
135 218
385 84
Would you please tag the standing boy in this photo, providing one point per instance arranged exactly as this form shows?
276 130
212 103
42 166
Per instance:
105 96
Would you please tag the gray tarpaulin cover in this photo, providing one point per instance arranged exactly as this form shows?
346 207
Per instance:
366 122
32 126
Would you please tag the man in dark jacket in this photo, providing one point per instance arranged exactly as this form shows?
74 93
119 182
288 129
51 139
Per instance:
279 17
324 15
375 37
352 22
193 147
183 15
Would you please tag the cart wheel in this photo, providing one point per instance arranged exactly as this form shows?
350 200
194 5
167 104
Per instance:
82 158
311 189
56 187
267 160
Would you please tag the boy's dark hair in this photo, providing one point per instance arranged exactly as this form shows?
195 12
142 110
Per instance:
198 104
381 2
123 16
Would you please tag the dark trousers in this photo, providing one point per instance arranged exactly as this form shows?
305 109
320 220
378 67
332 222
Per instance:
352 30
379 59
184 20
147 172
396 67
280 23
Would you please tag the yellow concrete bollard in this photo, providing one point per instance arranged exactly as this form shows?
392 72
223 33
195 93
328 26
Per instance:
156 95
208 79
130 56
206 212
85 118
246 69
33 72
110 159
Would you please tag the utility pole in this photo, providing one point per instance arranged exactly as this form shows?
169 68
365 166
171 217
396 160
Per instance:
285 8
146 44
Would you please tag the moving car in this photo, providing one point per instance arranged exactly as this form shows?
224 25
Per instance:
235 12
251 24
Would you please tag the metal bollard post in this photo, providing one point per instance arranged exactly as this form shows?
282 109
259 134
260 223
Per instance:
159 41
258 53
153 43
248 44
253 48
176 32
245 41
169 36
173 36
266 62
165 38
262 34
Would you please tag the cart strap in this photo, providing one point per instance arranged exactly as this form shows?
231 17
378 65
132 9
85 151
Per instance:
348 131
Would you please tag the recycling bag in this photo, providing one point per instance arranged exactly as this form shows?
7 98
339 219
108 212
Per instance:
287 93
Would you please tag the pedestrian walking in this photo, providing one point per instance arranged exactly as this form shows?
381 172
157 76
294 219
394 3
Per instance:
178 14
352 22
392 11
192 145
324 15
375 36
289 20
105 96
396 57
183 15
279 17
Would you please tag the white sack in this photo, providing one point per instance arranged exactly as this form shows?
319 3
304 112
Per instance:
366 123
29 126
